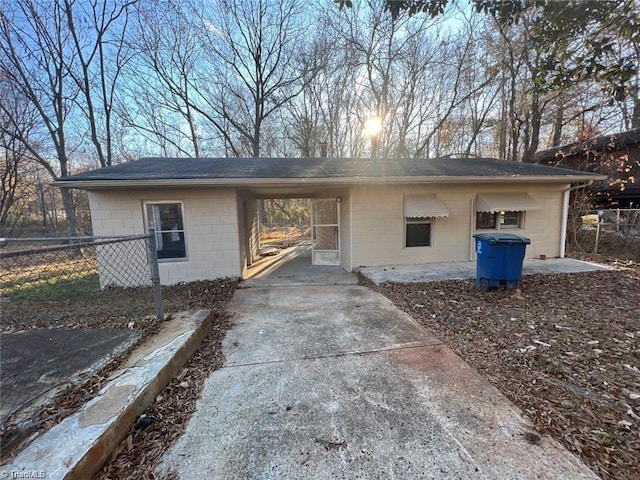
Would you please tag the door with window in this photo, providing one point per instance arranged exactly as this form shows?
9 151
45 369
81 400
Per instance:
325 231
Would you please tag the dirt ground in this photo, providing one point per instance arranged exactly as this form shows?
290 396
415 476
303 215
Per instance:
564 348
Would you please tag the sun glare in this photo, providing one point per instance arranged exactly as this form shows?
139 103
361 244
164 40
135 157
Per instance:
372 126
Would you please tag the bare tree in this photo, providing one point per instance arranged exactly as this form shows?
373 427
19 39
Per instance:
254 44
35 50
14 189
169 58
100 51
53 58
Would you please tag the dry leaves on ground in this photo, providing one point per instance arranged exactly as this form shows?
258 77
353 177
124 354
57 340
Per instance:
103 312
165 420
565 348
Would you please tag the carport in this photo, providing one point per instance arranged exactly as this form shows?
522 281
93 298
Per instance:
328 224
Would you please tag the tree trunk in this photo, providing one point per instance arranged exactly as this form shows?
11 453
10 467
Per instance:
635 116
534 135
558 123
70 211
43 207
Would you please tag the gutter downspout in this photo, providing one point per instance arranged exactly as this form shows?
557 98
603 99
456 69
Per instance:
565 214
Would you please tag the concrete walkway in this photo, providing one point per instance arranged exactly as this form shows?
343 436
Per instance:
332 381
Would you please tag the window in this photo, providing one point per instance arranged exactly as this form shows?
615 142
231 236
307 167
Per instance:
499 220
510 220
418 231
485 220
167 220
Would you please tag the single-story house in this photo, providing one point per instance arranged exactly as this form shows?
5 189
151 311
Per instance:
616 155
397 211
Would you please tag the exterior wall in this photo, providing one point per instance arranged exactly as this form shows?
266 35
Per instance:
242 235
222 232
253 228
249 231
210 223
377 223
345 233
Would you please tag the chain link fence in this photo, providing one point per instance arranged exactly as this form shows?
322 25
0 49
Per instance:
50 281
613 233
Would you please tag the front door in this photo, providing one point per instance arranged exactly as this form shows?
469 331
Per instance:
325 231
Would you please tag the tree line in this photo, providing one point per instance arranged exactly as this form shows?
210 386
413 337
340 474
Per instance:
89 83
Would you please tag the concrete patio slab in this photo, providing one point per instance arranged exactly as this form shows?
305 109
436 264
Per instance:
36 364
78 446
292 267
335 382
434 272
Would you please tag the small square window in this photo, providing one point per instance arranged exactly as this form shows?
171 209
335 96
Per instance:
167 220
485 220
510 220
418 232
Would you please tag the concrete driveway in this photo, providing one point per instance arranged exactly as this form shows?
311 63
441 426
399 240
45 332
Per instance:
329 381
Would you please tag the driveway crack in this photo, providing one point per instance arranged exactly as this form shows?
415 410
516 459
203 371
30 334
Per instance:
406 346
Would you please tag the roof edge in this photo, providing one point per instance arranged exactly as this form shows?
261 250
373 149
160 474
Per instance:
248 182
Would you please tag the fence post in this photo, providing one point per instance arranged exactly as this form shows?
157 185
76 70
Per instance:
595 248
155 272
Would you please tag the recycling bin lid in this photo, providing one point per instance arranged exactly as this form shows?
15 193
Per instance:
502 238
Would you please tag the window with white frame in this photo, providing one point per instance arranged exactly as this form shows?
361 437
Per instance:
166 218
418 231
499 220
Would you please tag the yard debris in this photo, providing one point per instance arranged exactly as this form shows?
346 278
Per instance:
143 422
331 445
581 384
532 437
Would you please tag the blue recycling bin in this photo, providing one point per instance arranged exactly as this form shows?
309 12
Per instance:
499 259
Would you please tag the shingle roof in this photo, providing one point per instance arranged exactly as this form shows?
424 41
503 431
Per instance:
597 144
150 169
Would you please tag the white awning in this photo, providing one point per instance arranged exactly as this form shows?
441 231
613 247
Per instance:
505 202
424 206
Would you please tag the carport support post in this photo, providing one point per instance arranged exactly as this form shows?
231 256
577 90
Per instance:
155 272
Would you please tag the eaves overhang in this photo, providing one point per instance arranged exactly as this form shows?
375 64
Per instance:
101 184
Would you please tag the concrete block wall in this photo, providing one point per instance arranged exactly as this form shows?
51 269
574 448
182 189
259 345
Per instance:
345 232
377 223
210 223
253 228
